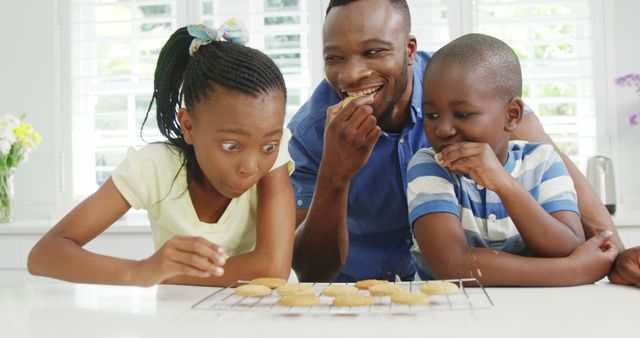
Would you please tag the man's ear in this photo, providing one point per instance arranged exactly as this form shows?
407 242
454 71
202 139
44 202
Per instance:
184 119
412 48
515 107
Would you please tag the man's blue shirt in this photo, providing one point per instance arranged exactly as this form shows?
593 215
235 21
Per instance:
379 233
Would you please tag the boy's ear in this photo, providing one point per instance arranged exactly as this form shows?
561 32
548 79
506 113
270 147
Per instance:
515 107
184 119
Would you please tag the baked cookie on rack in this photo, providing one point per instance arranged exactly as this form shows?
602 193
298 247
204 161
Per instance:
409 298
384 289
335 290
295 289
367 283
299 300
250 290
439 288
270 282
355 299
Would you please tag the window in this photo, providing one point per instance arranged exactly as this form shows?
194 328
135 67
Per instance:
114 48
555 44
115 44
554 41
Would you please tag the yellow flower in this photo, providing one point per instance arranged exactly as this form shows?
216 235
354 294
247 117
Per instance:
26 135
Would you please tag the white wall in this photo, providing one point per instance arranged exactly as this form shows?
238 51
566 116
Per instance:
625 29
30 83
27 66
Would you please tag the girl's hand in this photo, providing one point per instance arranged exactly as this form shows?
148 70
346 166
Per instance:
478 161
190 256
594 257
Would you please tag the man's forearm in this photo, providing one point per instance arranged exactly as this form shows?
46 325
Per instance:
322 239
593 214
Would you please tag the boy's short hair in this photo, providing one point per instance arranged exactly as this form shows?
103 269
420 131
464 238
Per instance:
488 54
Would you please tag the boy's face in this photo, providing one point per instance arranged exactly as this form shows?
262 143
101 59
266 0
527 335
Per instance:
235 137
460 105
367 47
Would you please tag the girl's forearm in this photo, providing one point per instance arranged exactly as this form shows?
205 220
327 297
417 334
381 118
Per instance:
243 267
64 259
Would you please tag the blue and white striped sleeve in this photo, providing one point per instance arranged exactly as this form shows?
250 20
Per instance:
556 191
430 188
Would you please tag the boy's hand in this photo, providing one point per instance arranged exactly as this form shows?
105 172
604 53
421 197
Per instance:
181 255
594 257
478 161
350 134
627 268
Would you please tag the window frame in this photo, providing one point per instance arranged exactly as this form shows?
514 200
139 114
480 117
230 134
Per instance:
602 15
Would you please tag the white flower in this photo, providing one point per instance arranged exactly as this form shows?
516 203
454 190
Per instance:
7 124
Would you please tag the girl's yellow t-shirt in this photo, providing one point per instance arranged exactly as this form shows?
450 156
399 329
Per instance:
146 180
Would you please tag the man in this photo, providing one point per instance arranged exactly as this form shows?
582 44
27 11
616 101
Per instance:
350 177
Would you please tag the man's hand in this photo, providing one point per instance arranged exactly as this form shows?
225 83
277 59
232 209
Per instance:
350 135
627 268
190 256
478 161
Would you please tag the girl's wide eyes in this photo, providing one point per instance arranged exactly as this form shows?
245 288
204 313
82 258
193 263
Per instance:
229 146
269 148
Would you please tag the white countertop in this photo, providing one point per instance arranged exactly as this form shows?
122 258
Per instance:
75 310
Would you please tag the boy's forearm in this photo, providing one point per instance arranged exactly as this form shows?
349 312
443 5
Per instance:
496 268
595 217
543 234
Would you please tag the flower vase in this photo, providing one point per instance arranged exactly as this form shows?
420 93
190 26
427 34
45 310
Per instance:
6 194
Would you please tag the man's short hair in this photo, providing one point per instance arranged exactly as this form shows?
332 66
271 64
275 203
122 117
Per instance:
488 54
400 5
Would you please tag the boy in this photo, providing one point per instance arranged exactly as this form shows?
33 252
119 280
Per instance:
480 205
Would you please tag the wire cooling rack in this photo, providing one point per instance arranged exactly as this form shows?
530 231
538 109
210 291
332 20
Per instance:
471 296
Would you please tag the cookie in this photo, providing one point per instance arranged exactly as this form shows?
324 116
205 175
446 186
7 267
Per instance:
439 160
250 290
384 289
295 289
367 283
299 300
353 300
348 99
409 298
439 288
269 282
335 290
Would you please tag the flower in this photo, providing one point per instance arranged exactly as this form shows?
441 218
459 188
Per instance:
630 80
17 140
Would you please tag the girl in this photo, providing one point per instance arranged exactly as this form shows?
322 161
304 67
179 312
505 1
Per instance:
220 183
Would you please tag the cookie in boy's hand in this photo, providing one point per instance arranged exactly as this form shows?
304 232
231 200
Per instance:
438 158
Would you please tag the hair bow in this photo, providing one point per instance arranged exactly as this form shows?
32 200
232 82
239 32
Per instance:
232 30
